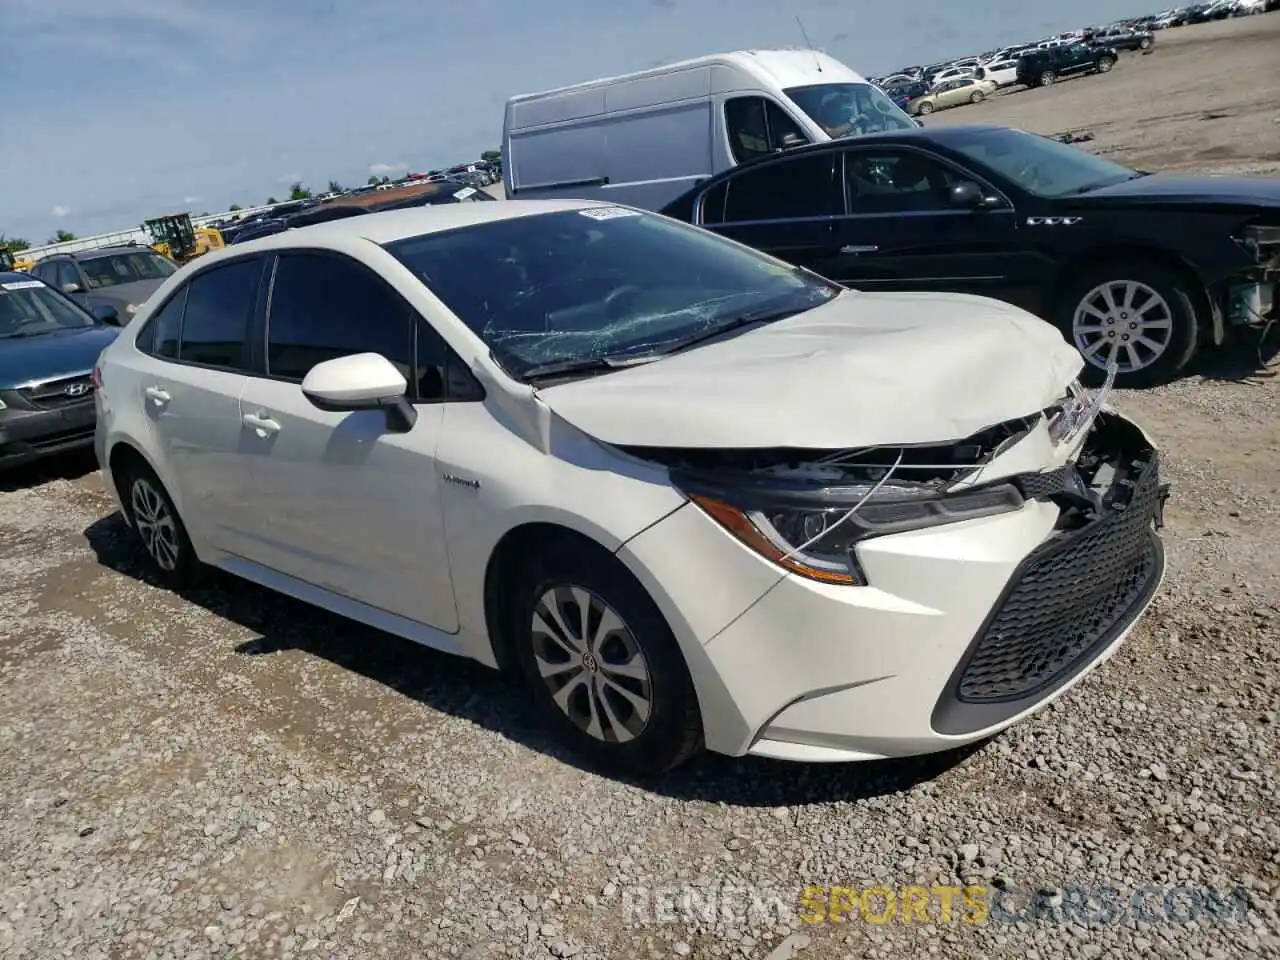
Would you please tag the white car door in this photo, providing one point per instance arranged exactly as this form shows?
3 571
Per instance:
189 378
347 504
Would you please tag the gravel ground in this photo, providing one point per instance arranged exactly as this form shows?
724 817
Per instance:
230 773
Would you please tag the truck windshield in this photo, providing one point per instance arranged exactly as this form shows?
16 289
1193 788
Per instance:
849 109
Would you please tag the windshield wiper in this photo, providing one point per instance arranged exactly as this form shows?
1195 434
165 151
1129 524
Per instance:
584 365
737 323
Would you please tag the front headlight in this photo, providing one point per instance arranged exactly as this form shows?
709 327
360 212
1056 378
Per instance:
814 531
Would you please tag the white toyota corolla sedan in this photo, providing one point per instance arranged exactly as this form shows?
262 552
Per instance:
687 493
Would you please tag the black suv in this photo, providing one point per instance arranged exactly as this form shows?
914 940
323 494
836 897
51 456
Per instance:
1041 68
48 346
1135 268
1124 38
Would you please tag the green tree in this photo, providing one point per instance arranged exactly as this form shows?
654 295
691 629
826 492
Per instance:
299 192
234 207
491 156
62 236
271 200
373 180
336 187
12 244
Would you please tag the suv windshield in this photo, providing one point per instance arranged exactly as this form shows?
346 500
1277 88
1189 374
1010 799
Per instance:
1044 167
28 308
849 109
125 268
599 284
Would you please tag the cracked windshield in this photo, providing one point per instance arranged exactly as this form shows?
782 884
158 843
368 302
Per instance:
639 480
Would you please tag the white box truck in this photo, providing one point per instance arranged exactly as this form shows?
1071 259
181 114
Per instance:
644 138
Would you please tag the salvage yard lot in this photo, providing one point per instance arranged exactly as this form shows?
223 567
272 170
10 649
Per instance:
232 773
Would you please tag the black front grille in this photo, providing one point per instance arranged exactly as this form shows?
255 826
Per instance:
60 393
1068 600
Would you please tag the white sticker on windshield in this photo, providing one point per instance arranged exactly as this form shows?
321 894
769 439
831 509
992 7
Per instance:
21 285
608 213
464 193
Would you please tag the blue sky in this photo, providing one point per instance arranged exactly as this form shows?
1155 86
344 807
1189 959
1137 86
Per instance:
115 110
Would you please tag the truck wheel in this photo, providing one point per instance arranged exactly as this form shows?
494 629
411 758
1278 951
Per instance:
1138 313
1047 78
1144 43
1105 66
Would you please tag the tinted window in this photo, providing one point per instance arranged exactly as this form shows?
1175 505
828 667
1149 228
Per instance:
757 127
28 308
126 268
67 273
787 190
324 307
892 181
160 336
215 323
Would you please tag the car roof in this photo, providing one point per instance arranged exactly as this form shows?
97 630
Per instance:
102 252
392 225
16 276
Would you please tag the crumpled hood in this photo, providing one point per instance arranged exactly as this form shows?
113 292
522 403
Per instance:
864 369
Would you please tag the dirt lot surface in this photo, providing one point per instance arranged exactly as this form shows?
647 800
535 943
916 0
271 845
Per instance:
229 773
1203 98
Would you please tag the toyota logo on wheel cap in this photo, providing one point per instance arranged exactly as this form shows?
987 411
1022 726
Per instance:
77 389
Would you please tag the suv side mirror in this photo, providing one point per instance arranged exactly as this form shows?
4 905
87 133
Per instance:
361 381
107 314
792 140
967 195
72 288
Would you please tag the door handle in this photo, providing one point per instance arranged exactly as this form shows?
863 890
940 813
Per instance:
157 396
261 424
854 248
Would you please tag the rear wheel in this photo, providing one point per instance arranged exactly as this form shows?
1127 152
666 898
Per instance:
602 664
157 525
1139 314
1047 78
925 108
977 96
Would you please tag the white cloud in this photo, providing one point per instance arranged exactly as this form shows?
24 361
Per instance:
384 168
289 179
59 211
191 199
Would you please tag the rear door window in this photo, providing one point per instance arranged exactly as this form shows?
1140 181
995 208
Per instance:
792 189
219 309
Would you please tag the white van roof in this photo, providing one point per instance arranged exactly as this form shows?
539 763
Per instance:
777 68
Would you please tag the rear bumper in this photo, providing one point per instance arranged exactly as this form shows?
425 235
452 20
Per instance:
30 434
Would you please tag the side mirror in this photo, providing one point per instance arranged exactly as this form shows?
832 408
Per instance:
107 314
361 381
791 140
967 195
72 288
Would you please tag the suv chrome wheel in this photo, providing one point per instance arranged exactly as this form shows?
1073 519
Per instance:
592 665
155 524
1125 320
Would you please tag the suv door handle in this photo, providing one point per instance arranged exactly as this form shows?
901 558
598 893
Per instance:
854 248
157 396
263 425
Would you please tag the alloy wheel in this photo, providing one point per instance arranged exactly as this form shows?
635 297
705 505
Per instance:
1124 320
155 524
592 664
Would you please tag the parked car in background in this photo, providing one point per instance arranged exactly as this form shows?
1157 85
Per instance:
952 93
117 277
48 346
470 426
1003 73
1124 38
1140 269
1042 68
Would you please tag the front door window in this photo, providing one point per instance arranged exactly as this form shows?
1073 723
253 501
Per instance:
758 127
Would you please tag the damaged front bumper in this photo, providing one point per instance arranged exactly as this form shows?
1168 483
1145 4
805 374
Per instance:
962 628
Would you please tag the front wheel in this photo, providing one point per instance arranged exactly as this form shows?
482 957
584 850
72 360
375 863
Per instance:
1144 43
1139 315
602 664
925 108
1047 78
1105 65
977 96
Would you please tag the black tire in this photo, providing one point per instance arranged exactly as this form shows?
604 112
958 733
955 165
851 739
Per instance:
672 731
1104 66
174 562
977 96
925 108
1047 78
1144 43
1179 298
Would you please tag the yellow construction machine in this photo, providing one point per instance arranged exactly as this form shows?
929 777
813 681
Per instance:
174 236
11 261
